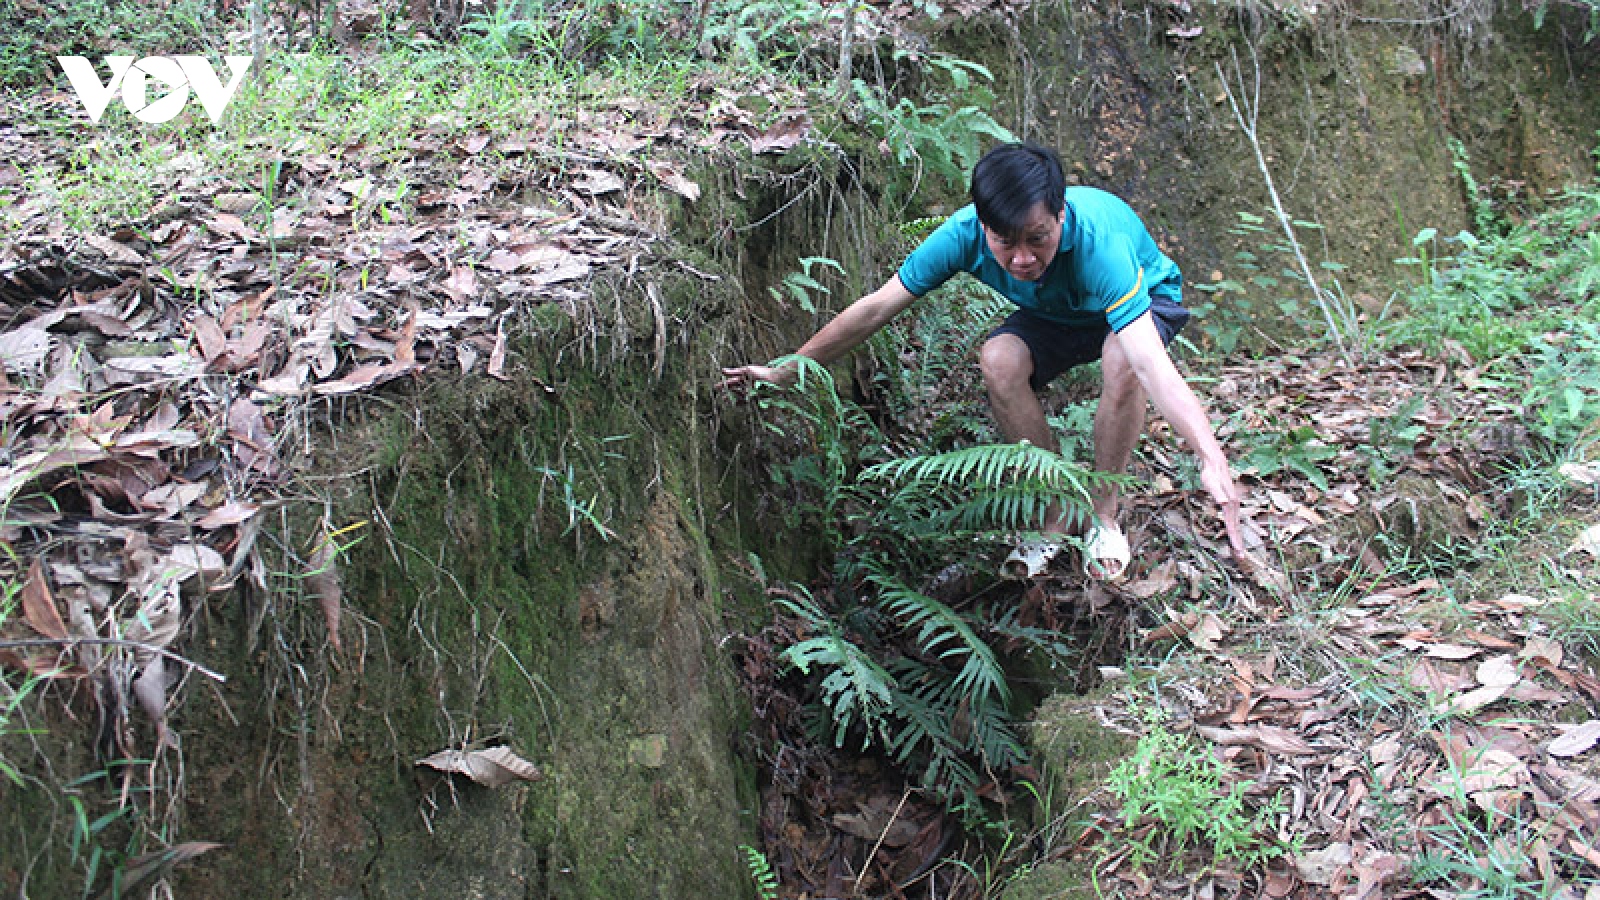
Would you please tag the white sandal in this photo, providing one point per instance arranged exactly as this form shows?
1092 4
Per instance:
1106 553
1029 559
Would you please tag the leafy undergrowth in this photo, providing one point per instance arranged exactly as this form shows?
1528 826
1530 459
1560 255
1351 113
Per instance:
1407 707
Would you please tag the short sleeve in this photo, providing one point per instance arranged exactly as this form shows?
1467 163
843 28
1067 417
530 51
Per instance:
938 258
1117 281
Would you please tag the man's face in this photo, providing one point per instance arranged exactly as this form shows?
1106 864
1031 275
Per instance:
1028 254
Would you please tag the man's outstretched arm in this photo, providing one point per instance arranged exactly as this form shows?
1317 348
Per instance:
1176 401
844 333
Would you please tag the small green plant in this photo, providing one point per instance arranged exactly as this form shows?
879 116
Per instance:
1295 450
1392 438
981 489
13 695
928 361
1271 269
941 137
828 431
580 512
761 874
1589 7
911 702
798 286
1562 401
766 33
1484 215
1178 784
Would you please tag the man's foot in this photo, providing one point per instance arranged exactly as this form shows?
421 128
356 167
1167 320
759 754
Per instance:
1029 559
1106 553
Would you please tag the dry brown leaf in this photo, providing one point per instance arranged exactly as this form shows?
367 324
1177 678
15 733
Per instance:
38 606
1208 633
675 180
1484 769
208 335
24 351
78 450
594 182
782 136
1442 651
322 580
893 832
230 225
236 202
491 767
1267 737
144 870
1177 628
1386 750
1588 541
114 250
1320 867
1374 870
1499 671
1161 579
233 512
497 356
1587 474
1279 885
1542 648
150 689
1526 691
503 261
1281 740
1471 701
462 283
1576 740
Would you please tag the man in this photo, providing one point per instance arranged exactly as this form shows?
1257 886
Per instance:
1089 283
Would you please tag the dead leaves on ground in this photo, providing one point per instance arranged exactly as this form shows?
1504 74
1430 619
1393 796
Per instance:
1462 730
148 373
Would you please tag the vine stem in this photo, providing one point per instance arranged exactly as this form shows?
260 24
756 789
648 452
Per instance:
1248 125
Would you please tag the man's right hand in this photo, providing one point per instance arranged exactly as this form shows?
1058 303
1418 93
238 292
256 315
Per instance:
741 379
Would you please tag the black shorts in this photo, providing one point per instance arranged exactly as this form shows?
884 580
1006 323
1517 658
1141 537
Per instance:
1055 348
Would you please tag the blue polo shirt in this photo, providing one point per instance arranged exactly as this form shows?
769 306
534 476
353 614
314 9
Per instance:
1105 272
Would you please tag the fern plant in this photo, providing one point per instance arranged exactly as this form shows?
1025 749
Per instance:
761 874
856 690
945 136
990 487
940 710
822 423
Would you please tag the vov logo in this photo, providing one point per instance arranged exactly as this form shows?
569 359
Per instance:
180 74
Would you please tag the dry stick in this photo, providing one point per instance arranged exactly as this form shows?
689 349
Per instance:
69 643
1250 133
893 817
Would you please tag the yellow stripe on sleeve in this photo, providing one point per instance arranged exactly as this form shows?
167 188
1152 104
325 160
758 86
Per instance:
1137 283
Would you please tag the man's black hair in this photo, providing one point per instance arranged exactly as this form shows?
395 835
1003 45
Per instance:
1010 180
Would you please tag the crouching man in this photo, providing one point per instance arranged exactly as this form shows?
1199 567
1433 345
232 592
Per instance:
1089 283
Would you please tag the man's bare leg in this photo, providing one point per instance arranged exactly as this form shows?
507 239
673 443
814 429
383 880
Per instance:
1118 421
1007 365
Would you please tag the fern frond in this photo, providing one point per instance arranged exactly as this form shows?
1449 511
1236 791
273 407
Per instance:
943 632
988 467
761 874
855 688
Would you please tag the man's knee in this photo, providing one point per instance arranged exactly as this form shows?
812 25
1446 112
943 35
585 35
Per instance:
1005 361
1119 382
